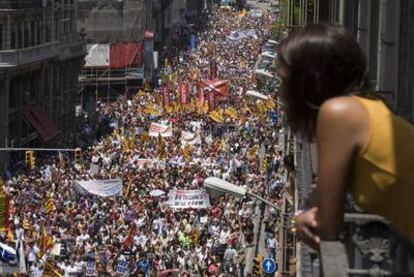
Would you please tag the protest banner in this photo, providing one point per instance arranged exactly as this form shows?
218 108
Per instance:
141 162
190 138
102 188
188 199
157 129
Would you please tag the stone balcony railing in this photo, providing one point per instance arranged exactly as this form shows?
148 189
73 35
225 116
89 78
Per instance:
369 246
16 57
21 4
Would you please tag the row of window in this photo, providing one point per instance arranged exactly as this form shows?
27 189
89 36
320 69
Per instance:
31 34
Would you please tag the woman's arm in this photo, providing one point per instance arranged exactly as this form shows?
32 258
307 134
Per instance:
342 128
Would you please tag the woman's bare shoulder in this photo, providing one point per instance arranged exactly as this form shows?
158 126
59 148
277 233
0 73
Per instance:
346 115
347 109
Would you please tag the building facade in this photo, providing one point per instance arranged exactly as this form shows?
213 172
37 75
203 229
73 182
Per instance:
114 24
384 30
40 58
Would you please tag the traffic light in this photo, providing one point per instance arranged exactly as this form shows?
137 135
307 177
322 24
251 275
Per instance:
30 160
257 266
78 155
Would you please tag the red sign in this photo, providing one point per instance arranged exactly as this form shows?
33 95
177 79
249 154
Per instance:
124 54
211 100
165 96
149 34
184 93
220 88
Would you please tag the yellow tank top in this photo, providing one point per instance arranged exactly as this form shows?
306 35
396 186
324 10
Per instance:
383 174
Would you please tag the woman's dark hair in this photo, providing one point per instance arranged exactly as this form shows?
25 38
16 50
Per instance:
321 62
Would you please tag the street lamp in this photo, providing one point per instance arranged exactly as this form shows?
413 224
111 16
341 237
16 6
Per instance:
217 185
264 73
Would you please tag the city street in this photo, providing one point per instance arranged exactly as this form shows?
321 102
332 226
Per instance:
130 199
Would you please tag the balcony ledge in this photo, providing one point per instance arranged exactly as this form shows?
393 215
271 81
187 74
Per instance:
17 57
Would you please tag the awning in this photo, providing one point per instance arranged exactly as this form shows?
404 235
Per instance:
40 121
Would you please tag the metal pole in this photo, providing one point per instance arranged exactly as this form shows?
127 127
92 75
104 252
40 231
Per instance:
264 200
9 149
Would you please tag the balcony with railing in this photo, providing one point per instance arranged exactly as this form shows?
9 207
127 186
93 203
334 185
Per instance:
15 57
58 50
368 246
22 4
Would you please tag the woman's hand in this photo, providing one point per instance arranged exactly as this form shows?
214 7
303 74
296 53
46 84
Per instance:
306 227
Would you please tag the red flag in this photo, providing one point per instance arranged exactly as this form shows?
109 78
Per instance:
201 95
186 95
183 93
130 237
211 100
165 96
213 70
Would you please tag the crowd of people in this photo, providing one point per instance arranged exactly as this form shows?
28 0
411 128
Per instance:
140 232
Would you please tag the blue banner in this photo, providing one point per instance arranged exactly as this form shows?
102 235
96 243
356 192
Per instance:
193 42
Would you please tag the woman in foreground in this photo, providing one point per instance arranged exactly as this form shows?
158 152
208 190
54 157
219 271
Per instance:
363 148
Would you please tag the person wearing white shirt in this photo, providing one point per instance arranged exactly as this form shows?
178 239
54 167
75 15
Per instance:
36 270
271 246
224 235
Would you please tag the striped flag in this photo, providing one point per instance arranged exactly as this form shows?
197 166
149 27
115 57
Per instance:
46 241
261 108
246 109
231 112
186 152
50 270
252 152
265 165
145 137
49 205
161 148
26 224
216 117
270 105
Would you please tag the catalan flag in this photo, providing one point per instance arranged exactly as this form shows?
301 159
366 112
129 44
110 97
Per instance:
186 152
161 148
49 205
204 109
145 137
50 270
127 190
270 105
231 112
216 117
265 165
169 109
261 108
252 152
46 241
246 109
26 224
